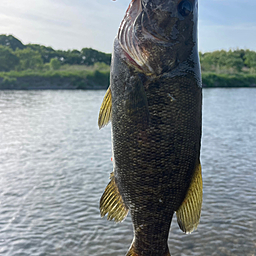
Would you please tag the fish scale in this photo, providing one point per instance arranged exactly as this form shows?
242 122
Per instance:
147 165
156 117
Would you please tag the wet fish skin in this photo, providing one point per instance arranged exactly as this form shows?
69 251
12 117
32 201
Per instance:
156 100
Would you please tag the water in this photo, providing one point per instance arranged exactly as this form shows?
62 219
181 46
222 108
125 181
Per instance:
55 164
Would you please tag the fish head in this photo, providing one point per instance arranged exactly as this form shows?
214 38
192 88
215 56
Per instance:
159 35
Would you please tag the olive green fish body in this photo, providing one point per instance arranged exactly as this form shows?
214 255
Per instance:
154 104
156 126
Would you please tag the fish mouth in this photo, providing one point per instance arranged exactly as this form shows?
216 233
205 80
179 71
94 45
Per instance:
128 39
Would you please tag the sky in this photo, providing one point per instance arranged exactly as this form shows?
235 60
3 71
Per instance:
75 24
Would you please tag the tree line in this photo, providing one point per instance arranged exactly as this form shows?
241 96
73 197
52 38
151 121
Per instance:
230 62
14 55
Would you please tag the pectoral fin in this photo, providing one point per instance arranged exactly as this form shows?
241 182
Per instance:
111 202
105 110
188 214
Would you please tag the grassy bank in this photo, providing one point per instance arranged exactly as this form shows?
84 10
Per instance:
213 80
58 79
91 78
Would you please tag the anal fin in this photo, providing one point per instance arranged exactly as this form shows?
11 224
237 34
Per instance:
105 114
111 202
188 214
132 252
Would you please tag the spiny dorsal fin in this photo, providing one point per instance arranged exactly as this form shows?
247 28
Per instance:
111 202
188 214
105 110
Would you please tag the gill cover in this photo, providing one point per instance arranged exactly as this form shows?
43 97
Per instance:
156 36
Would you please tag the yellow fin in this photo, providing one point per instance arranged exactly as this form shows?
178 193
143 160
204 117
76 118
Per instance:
111 202
131 252
105 110
188 214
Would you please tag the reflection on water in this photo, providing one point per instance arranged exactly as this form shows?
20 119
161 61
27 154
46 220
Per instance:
55 164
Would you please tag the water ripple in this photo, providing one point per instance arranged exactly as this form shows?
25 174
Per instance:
55 164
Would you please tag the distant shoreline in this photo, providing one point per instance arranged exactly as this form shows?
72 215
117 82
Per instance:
37 67
37 83
55 80
98 80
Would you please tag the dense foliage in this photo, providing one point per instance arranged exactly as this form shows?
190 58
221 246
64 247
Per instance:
231 68
16 56
229 62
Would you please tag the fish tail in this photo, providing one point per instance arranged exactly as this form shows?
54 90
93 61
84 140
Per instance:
132 252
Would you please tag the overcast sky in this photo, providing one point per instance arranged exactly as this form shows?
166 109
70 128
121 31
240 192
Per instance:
75 24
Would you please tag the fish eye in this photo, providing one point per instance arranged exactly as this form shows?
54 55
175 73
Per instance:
185 8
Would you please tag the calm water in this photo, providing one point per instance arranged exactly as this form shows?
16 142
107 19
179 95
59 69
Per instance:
55 164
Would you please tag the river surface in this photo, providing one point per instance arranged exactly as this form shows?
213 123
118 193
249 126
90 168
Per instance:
55 164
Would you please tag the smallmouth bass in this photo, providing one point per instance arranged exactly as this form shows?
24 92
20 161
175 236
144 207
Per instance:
154 103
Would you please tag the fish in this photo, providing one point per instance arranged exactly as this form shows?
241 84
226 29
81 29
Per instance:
154 104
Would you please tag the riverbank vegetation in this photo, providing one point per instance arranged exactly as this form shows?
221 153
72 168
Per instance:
37 66
233 68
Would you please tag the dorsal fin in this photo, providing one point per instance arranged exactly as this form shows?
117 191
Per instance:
188 215
105 114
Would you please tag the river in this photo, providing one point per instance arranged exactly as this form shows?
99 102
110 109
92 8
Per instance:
55 164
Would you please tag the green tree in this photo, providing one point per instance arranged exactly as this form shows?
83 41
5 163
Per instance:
212 61
8 60
234 61
219 61
91 56
11 42
73 57
55 64
250 59
29 59
47 53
